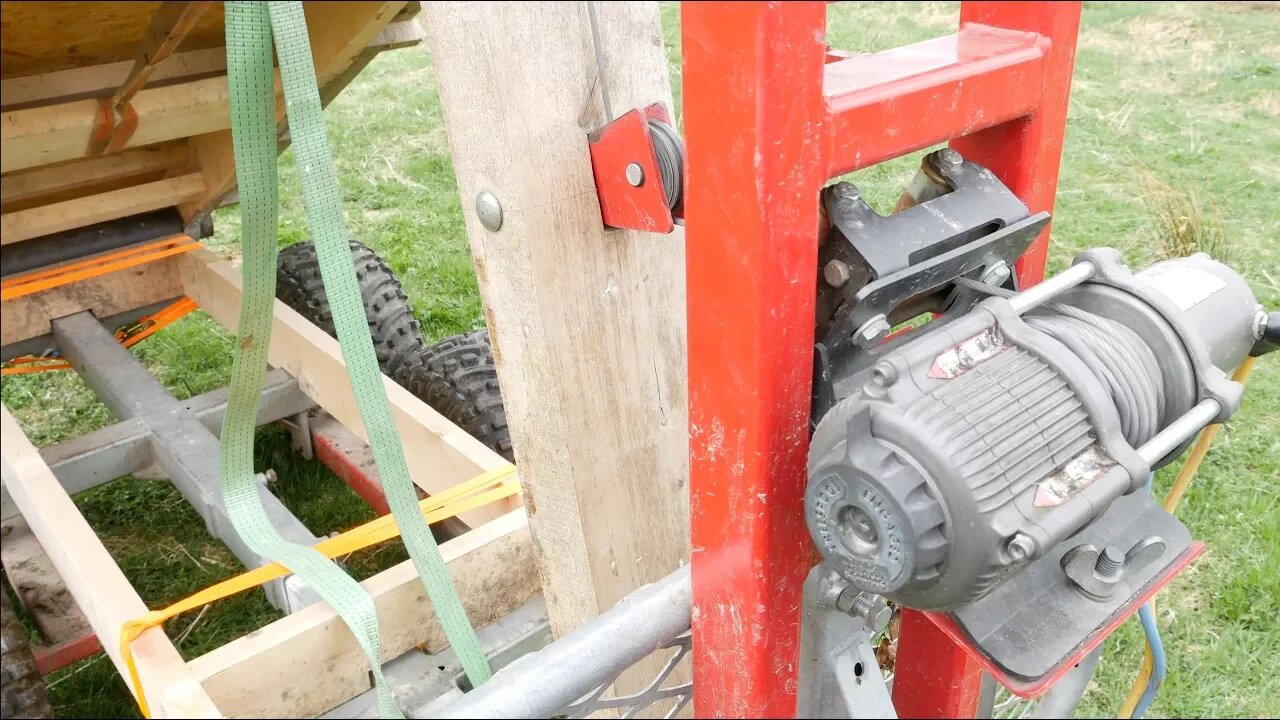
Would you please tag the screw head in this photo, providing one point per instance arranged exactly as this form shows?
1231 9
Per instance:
1260 319
489 210
635 174
836 273
872 331
949 157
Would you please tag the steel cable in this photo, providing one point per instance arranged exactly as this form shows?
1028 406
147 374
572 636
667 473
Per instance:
1115 354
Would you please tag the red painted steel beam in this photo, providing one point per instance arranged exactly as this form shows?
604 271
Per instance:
349 458
753 105
51 658
934 677
887 104
1026 154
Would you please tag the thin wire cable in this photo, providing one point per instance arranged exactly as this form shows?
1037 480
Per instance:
598 47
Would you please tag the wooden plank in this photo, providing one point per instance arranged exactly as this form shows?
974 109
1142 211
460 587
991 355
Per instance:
399 34
587 324
79 212
54 133
170 24
120 291
312 663
31 574
339 31
439 453
100 81
50 36
78 178
103 592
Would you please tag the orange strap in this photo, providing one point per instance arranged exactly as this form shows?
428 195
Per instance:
40 280
128 336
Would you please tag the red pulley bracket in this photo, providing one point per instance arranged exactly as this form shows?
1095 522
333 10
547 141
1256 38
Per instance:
625 166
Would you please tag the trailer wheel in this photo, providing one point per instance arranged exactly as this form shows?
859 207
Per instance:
22 693
395 332
458 378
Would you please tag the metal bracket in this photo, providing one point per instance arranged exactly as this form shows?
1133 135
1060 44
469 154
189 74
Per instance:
1033 628
880 270
839 675
628 180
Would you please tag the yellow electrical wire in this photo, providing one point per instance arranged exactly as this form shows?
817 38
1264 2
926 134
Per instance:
1171 501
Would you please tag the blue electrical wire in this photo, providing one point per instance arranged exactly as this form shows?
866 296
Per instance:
1158 664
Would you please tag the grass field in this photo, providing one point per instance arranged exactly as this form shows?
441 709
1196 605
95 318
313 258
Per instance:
1171 102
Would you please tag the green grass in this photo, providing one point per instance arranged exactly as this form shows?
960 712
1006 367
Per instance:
1186 93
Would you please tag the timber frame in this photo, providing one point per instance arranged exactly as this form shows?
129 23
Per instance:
310 651
62 174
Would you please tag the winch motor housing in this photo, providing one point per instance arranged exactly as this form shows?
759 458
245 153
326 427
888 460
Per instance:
978 443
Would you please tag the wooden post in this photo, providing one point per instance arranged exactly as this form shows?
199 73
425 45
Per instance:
587 324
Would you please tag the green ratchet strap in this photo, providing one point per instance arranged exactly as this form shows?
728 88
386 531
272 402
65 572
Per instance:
250 75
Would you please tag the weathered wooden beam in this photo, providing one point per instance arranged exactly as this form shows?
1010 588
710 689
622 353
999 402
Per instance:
169 25
313 662
55 133
79 212
78 178
99 81
587 324
116 292
107 599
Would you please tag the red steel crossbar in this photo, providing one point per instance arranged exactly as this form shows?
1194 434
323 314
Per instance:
769 117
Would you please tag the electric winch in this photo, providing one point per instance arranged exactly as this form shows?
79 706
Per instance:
990 465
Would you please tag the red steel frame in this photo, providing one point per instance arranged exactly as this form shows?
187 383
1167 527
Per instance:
769 118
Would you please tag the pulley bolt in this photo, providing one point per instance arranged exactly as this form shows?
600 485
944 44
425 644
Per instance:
635 174
1110 562
836 274
1020 547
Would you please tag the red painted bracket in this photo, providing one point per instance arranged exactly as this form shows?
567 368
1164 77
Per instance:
1037 687
623 142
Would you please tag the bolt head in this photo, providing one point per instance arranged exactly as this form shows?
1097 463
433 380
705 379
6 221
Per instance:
1260 319
489 210
836 273
1021 547
949 157
635 174
872 331
996 275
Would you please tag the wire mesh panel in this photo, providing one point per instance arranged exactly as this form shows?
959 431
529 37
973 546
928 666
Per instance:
657 692
572 676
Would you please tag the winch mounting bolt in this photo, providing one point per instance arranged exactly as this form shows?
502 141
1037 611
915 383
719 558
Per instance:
836 273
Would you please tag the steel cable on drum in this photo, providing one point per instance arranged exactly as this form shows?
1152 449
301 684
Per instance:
668 150
1114 353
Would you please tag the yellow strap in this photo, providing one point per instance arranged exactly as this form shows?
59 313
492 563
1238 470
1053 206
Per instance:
483 489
